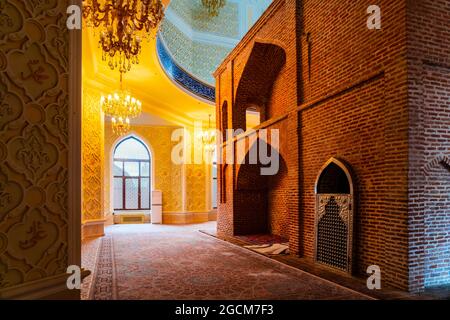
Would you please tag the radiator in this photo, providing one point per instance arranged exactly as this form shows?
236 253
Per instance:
132 219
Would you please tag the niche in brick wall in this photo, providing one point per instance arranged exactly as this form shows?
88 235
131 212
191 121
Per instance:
254 212
334 216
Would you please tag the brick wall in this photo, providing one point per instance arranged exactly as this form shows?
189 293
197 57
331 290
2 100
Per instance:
429 148
355 109
357 95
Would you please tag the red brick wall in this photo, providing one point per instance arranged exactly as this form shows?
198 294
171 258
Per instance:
429 111
357 95
351 128
355 109
279 32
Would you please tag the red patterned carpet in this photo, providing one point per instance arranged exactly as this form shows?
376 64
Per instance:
149 262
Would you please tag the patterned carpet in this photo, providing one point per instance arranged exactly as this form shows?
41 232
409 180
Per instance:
88 262
145 262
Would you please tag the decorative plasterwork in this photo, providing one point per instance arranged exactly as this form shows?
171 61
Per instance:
93 157
34 221
198 42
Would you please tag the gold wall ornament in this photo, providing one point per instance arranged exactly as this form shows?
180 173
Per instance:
93 161
123 25
214 6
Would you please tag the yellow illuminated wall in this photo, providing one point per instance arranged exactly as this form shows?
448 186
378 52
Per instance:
185 188
93 156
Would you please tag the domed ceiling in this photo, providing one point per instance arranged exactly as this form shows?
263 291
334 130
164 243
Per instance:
207 40
197 42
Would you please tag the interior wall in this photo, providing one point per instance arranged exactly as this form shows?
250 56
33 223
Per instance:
34 146
185 188
429 145
92 157
337 102
167 175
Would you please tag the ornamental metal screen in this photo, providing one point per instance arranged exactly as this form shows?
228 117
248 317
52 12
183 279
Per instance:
333 224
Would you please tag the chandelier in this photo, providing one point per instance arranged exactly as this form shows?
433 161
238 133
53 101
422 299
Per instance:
121 107
209 138
123 24
213 6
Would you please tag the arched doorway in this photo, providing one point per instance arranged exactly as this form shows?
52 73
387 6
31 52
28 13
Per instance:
334 216
132 178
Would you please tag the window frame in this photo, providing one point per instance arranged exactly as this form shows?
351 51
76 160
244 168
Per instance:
139 178
214 181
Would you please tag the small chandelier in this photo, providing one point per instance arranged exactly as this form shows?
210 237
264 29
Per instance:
121 107
209 138
213 6
123 24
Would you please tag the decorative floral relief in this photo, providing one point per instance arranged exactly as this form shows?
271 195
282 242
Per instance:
32 71
93 159
3 243
33 58
57 120
11 195
38 7
31 239
343 201
59 263
9 277
57 42
32 154
57 197
35 274
3 152
3 62
11 107
10 19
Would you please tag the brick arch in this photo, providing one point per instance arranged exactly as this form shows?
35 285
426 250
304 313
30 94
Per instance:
255 85
443 160
340 170
254 211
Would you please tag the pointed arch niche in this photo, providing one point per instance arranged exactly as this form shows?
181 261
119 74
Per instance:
333 239
132 175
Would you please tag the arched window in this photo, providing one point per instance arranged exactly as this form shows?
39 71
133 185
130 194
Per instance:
252 117
132 174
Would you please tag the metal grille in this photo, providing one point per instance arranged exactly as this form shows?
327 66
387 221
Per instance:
132 219
333 231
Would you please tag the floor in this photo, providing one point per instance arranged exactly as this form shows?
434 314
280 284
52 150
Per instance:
154 262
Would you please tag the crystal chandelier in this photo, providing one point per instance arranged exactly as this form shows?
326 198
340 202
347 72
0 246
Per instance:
214 6
121 107
123 24
209 138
